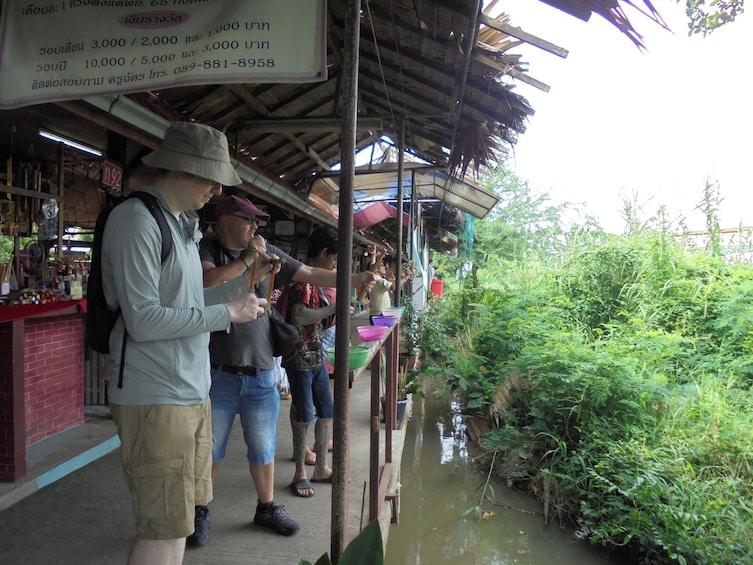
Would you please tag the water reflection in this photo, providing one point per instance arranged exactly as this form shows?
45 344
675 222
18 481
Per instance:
455 440
443 518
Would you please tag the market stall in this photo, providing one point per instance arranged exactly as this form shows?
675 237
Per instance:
41 388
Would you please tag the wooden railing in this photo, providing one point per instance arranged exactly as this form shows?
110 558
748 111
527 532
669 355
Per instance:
376 366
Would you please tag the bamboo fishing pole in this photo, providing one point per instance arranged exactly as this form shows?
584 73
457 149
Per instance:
253 270
270 290
274 262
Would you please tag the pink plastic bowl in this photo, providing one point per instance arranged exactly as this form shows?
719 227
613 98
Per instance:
384 320
372 333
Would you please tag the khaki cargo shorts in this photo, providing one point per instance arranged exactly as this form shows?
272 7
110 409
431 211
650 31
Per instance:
166 452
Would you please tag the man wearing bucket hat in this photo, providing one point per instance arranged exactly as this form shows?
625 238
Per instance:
243 367
162 410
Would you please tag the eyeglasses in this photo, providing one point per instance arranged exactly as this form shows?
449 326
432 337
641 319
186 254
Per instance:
213 183
249 221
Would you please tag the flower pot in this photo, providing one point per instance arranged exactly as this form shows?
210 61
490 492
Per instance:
400 411
402 405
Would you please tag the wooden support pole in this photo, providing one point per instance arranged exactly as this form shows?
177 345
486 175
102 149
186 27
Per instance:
348 107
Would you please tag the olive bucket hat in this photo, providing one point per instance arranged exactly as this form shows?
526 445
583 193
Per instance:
197 149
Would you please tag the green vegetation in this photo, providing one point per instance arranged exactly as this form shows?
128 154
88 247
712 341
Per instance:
610 376
366 547
705 17
6 246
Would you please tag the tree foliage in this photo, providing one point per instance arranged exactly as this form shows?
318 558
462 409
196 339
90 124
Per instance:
522 223
707 16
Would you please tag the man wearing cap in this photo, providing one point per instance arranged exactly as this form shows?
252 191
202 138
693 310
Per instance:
243 376
162 410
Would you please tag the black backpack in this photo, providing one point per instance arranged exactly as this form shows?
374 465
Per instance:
99 318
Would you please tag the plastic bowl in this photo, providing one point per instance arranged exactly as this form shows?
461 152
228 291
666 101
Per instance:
396 312
357 356
384 320
372 333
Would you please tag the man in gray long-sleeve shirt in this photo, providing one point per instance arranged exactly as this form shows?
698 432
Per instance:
162 410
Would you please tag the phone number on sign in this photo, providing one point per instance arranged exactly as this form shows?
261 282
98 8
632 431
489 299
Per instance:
240 63
225 64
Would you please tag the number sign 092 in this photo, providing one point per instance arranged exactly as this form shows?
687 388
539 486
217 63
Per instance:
112 176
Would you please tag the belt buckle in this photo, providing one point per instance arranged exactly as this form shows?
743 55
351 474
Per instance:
246 371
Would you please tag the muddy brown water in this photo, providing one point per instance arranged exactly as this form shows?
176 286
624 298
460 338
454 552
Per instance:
440 484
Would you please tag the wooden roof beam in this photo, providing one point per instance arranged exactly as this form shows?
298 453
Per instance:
504 27
509 70
261 109
299 125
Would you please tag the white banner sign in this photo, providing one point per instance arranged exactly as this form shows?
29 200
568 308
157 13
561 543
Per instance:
71 49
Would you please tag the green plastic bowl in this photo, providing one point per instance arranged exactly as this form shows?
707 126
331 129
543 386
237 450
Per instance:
357 356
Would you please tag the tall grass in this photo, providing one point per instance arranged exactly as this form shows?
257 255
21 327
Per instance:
631 414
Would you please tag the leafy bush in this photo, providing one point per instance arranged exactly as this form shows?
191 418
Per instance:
616 386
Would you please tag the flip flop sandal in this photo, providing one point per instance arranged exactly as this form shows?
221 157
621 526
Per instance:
301 485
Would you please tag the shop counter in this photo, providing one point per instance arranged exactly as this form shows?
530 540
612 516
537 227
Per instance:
58 308
42 350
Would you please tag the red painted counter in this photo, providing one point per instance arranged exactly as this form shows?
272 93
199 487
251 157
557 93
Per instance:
10 313
41 377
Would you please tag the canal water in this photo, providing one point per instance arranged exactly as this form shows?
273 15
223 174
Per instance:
440 487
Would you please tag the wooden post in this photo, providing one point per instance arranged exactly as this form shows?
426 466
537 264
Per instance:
397 290
348 105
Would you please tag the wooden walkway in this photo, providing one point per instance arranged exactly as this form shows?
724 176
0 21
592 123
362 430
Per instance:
85 517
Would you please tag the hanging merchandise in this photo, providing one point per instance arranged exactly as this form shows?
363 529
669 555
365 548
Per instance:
50 209
7 217
47 219
23 202
33 260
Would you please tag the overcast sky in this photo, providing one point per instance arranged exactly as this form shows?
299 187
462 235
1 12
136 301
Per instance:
618 121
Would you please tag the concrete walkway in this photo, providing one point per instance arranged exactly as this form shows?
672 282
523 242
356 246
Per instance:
74 508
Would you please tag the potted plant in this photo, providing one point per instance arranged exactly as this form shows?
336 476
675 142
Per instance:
404 390
408 383
410 330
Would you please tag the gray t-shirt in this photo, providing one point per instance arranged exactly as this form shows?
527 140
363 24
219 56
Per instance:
248 344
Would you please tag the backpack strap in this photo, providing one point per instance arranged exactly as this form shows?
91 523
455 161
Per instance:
152 204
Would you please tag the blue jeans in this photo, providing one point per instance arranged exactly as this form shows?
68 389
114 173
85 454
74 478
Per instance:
311 395
257 400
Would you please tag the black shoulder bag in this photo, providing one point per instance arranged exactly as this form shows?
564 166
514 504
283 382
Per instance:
284 336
